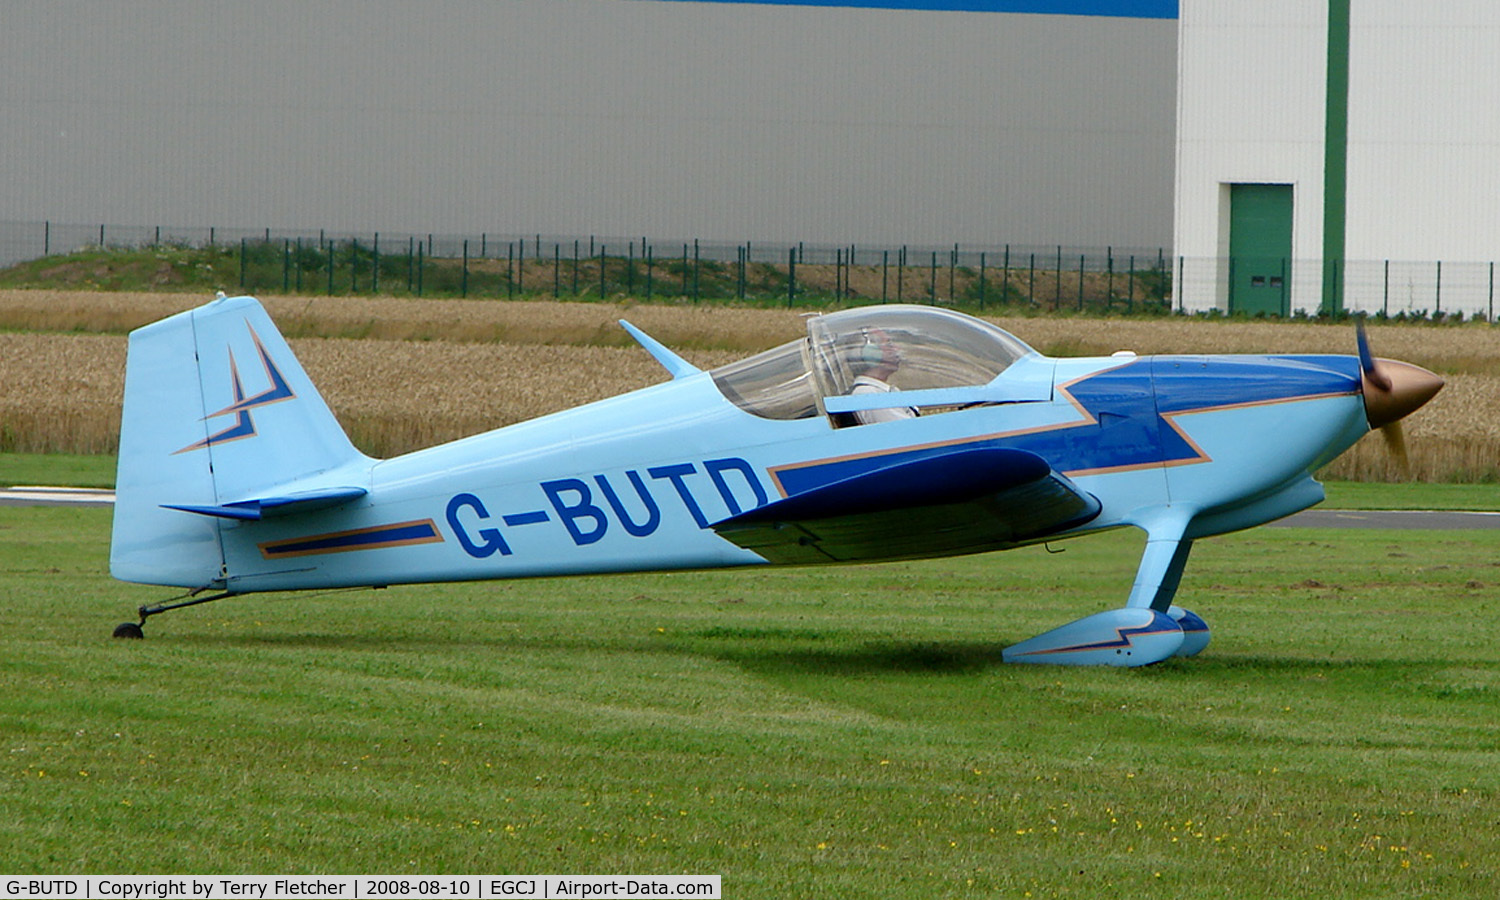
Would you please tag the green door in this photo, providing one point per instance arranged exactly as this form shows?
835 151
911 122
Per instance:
1260 248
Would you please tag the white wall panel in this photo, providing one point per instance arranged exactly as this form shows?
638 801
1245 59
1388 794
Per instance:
1423 183
1250 110
1424 131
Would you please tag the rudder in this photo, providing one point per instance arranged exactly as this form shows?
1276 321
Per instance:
217 411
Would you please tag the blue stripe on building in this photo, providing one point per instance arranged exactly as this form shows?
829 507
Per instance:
1135 9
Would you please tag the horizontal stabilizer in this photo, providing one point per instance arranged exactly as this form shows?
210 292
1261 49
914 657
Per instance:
962 501
286 505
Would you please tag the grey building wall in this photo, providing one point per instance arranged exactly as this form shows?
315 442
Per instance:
626 117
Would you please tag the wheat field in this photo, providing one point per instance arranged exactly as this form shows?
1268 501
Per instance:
403 374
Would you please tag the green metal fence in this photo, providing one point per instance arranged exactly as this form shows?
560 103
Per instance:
1054 279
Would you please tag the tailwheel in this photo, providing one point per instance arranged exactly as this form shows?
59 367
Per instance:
133 631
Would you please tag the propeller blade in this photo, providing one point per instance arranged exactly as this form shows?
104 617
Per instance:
1395 442
1367 364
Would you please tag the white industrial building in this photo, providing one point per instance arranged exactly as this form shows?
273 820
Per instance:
942 122
1049 123
1338 154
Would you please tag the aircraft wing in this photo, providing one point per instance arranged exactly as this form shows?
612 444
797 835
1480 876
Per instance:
964 500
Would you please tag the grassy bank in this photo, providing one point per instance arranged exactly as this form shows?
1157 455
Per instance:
779 278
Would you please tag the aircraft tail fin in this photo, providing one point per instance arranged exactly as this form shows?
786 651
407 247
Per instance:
218 415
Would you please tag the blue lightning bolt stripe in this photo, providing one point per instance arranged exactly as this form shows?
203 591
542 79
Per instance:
244 425
277 392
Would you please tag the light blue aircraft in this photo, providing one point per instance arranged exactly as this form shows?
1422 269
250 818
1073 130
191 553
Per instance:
886 432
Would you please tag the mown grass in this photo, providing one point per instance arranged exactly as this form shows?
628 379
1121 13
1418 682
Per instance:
843 732
57 470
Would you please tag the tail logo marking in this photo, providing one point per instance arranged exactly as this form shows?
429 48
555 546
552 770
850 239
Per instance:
244 425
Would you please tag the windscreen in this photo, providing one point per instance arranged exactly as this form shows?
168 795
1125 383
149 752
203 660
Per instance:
910 347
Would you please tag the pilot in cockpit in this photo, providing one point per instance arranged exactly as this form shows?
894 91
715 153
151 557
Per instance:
876 361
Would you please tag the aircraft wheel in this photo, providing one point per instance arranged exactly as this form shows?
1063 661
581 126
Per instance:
129 630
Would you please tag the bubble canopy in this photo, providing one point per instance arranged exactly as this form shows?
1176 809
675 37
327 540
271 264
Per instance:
910 347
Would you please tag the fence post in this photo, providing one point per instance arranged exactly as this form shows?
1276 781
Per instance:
1286 298
331 260
419 270
885 275
791 276
464 279
375 273
1080 282
556 270
242 256
1109 285
1437 300
1385 299
47 238
981 279
1005 277
900 272
695 271
650 269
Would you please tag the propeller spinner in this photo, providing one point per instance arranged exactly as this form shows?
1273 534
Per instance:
1392 391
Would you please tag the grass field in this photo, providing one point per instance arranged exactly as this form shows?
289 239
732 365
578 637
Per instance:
840 732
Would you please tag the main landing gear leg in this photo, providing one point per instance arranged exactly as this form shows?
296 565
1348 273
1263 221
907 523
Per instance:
134 630
1149 629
